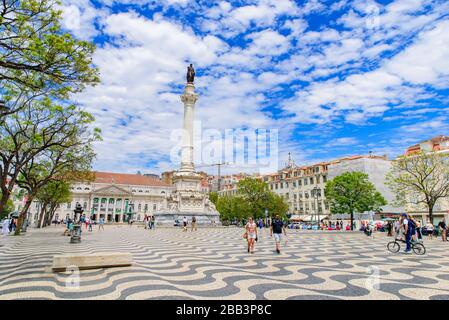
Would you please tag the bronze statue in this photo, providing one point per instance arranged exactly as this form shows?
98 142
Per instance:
190 74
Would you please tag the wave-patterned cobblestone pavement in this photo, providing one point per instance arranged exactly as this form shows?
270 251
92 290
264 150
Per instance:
213 263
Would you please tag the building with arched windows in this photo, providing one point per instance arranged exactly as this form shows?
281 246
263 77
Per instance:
115 197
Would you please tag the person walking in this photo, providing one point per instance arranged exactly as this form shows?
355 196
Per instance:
430 229
5 227
12 225
184 222
443 228
193 223
90 225
101 224
251 234
277 228
152 222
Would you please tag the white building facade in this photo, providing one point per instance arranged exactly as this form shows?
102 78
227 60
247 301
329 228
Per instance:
115 197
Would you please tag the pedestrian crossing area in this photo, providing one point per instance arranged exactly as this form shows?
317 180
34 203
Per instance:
213 263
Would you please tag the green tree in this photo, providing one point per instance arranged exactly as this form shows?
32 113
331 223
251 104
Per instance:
37 57
420 179
72 156
251 200
29 134
352 192
50 197
7 209
213 196
276 205
256 193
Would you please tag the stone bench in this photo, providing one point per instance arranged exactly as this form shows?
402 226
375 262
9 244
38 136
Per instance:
91 261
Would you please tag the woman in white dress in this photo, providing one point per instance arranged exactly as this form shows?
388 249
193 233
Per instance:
5 227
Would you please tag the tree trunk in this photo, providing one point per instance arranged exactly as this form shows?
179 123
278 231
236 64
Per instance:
352 220
23 215
42 216
50 214
431 213
4 198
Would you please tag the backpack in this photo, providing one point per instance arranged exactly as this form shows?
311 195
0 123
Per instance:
412 223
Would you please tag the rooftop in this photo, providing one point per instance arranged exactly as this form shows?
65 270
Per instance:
127 178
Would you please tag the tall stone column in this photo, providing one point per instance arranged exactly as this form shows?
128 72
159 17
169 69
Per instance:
189 99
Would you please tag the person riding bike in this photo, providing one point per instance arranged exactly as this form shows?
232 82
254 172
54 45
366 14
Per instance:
409 230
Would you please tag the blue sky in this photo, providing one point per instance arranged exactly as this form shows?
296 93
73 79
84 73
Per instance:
336 78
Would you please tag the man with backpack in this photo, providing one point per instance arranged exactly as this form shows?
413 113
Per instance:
409 230
277 228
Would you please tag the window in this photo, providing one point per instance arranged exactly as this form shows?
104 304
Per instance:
84 205
69 205
311 180
299 182
318 179
324 179
146 207
305 182
294 184
154 206
86 188
139 207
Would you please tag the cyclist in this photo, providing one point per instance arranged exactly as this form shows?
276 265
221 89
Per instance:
408 231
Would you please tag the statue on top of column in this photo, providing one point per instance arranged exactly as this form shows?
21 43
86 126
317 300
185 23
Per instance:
190 74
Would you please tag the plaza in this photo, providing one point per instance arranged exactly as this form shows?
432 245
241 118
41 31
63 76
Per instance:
212 263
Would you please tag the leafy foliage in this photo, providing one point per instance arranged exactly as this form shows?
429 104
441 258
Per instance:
251 201
352 192
50 196
37 57
420 179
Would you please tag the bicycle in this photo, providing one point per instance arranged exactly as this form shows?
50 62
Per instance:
417 247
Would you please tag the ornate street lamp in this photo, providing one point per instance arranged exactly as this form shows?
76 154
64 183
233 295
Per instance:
76 235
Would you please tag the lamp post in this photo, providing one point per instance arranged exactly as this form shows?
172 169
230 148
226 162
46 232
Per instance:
76 233
316 191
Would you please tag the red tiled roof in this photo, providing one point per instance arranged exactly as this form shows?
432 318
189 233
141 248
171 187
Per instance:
126 178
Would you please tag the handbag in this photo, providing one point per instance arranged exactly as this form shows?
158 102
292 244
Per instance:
245 235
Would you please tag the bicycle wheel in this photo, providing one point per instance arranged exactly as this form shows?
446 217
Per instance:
393 246
418 248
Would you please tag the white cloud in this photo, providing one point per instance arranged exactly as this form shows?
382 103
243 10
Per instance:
343 75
